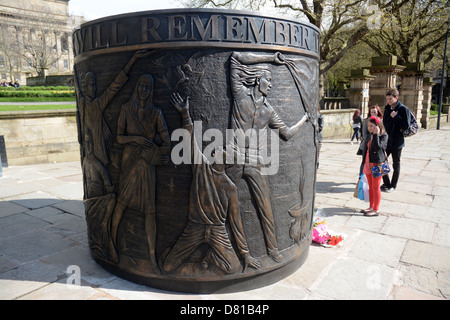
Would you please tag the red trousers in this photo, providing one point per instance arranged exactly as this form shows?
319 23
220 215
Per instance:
374 191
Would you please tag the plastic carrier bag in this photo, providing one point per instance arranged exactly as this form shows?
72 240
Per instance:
363 188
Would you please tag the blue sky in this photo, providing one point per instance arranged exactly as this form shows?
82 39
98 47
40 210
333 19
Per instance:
94 9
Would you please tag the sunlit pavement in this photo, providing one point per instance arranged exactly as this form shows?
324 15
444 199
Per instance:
404 253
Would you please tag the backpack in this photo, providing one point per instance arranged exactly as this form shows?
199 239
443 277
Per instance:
413 127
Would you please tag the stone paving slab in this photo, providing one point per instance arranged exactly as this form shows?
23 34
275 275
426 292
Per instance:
402 254
351 278
427 255
388 253
409 229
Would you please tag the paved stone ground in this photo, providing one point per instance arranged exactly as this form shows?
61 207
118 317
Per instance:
402 254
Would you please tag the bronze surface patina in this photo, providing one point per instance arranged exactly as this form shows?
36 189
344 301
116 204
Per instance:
199 144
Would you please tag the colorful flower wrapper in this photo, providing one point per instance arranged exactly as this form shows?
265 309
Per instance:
320 234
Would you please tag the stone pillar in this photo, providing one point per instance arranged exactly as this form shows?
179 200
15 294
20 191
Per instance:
70 51
427 90
445 108
411 92
358 93
341 88
385 70
58 49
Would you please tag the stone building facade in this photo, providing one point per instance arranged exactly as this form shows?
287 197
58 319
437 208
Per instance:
35 39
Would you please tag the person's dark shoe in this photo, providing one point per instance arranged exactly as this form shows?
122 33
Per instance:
372 213
383 187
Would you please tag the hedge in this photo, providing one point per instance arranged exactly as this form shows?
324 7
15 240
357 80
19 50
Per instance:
55 93
38 88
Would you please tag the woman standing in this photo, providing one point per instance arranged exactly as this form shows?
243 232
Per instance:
374 147
375 111
140 125
357 122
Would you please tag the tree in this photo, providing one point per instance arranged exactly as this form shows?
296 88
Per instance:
8 51
359 56
30 36
39 47
39 50
342 23
412 33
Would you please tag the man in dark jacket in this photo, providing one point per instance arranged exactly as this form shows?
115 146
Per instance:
396 118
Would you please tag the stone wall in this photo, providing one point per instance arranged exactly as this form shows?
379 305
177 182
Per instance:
57 80
337 123
433 121
48 136
40 136
51 136
336 103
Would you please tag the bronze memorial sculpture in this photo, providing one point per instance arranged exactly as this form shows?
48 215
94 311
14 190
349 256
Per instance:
199 142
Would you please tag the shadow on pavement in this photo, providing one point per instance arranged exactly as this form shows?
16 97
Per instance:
45 241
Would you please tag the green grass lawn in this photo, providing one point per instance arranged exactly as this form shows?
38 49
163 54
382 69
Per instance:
34 99
40 105
36 107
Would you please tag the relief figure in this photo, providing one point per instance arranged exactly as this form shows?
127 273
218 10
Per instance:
250 87
99 200
92 106
95 173
213 199
143 132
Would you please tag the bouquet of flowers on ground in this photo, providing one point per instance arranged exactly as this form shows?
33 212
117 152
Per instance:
323 236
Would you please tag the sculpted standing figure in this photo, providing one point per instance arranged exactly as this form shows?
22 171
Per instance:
213 199
140 125
99 202
92 106
250 86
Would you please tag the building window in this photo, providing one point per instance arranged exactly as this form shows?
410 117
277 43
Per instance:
65 43
66 64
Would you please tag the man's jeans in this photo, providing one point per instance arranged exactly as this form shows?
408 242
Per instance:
396 154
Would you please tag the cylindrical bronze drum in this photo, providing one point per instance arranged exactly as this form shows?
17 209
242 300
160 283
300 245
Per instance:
199 143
